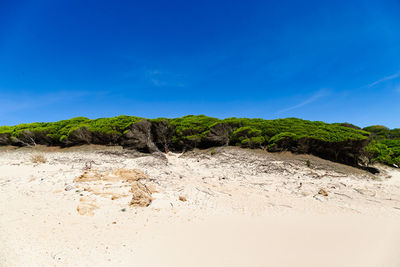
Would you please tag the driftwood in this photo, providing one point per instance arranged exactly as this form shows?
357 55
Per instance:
205 192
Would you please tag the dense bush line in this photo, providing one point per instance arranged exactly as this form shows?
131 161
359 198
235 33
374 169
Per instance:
339 142
342 142
258 133
58 132
245 132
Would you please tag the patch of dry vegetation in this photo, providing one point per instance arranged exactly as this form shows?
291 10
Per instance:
38 158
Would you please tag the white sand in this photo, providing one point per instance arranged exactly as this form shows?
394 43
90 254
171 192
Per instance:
243 208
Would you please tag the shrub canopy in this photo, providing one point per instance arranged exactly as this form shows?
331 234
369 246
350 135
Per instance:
61 129
195 127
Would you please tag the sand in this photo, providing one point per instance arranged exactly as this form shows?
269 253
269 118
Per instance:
105 206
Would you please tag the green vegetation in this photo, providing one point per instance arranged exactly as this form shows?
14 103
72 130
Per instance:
60 130
201 131
193 129
346 124
293 128
385 147
308 163
378 131
256 133
212 152
248 136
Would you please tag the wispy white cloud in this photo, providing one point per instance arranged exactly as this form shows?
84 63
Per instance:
317 95
384 79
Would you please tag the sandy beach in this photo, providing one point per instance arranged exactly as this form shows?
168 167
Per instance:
106 206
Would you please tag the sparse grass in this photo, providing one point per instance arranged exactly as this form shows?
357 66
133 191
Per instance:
38 158
212 152
308 163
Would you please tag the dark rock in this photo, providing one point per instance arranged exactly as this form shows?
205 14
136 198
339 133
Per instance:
139 137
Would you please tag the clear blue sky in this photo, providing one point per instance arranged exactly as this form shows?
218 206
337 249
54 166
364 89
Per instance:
333 61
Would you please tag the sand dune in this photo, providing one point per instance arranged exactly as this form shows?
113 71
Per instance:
105 206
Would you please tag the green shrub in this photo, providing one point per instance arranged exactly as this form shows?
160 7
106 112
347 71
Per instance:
284 135
346 124
378 131
253 142
247 136
385 147
385 151
394 134
396 161
112 125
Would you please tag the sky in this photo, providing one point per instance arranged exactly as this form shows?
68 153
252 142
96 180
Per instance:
332 61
